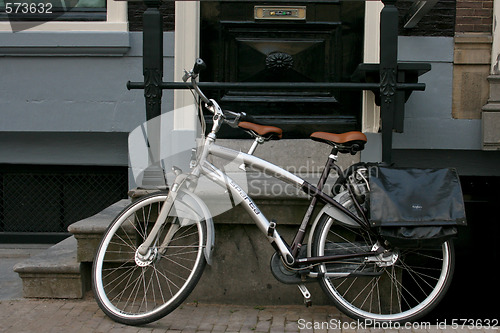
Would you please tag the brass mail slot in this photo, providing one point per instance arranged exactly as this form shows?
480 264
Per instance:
280 13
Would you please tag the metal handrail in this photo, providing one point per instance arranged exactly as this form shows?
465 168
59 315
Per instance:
279 85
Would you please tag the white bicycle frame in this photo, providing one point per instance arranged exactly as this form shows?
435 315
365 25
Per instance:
203 167
248 204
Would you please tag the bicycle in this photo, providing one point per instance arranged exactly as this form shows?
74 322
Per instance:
154 252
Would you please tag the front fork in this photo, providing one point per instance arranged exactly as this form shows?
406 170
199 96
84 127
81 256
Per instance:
144 248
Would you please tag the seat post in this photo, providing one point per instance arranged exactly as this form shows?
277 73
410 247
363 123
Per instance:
330 163
258 140
299 237
334 152
255 143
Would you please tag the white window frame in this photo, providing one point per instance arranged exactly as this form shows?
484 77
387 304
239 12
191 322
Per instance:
116 20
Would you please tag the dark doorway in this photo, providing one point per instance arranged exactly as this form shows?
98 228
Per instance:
468 297
285 42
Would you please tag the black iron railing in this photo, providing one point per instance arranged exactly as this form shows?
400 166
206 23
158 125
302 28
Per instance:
388 86
281 86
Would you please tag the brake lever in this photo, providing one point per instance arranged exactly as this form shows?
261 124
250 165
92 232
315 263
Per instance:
234 122
212 106
186 75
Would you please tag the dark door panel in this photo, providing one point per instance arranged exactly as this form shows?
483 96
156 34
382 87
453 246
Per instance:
239 48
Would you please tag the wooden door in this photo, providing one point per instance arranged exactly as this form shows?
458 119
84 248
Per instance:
326 46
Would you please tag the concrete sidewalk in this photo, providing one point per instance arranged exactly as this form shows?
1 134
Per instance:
55 315
10 254
85 316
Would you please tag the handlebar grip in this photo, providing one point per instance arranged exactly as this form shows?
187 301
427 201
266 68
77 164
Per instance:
246 117
199 65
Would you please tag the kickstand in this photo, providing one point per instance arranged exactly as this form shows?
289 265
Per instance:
306 294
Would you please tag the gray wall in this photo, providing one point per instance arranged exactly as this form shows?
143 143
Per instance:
428 115
64 98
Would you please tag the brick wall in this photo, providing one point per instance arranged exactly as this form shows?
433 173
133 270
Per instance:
439 22
474 16
472 56
136 9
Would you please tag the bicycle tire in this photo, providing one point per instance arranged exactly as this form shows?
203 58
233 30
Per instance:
401 292
133 290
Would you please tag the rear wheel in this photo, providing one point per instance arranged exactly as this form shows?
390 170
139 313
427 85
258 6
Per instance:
400 285
136 289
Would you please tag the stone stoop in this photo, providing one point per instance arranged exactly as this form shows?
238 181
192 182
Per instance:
88 232
53 273
63 270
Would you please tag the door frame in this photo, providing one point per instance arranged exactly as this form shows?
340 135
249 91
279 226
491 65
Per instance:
187 41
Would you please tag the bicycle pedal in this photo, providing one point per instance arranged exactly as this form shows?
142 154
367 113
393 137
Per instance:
307 295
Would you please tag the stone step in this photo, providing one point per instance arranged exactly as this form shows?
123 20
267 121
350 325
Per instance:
63 270
283 206
88 232
237 240
54 273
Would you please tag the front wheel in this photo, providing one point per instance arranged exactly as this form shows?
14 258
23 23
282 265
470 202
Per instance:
136 289
400 286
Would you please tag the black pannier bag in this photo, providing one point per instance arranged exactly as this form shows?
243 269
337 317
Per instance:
415 207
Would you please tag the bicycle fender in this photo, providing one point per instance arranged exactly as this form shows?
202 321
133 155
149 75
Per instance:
340 216
194 202
336 214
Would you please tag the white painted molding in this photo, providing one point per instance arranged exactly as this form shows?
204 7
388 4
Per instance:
370 111
187 36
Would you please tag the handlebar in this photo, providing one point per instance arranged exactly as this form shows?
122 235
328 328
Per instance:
212 105
199 65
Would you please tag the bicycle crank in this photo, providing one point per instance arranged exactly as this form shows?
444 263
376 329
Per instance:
306 294
287 275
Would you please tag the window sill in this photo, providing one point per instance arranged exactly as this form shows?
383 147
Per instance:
69 43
